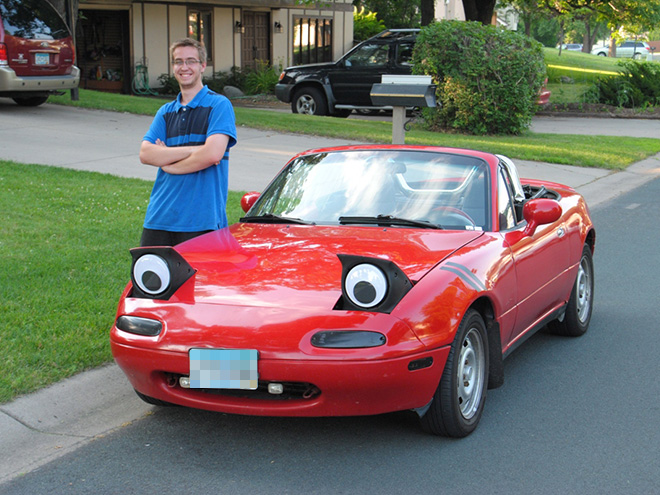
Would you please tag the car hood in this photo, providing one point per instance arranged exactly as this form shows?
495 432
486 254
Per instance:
290 265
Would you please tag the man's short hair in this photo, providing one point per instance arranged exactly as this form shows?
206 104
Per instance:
201 49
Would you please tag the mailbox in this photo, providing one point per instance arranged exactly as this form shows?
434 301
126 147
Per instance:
402 92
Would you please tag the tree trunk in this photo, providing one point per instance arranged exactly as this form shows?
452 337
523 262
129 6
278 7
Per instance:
479 10
427 8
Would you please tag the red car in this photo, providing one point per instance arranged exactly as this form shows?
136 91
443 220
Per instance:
363 280
36 52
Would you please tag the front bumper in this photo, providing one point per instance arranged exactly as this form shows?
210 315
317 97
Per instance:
283 92
11 84
334 387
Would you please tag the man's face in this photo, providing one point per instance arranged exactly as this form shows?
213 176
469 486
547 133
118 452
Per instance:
187 67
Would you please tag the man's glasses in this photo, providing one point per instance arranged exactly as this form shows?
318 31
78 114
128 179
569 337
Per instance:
189 62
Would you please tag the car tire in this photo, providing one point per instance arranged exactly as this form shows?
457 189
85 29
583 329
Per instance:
33 101
602 54
637 56
459 400
309 101
154 402
575 321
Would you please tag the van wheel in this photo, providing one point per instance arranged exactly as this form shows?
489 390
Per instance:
33 101
309 101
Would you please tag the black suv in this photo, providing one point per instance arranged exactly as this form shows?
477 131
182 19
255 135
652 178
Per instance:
338 88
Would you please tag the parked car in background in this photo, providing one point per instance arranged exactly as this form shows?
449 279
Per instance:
627 49
37 52
572 47
338 88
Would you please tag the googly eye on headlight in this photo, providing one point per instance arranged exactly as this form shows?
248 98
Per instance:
152 274
371 284
158 272
366 285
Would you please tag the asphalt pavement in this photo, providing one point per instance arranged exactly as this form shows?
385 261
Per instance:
40 427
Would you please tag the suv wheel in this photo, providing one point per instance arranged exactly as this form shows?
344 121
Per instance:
33 101
309 101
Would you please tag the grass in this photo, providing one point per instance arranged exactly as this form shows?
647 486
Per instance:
587 151
63 264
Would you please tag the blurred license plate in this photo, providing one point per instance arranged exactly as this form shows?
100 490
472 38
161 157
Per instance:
41 59
224 368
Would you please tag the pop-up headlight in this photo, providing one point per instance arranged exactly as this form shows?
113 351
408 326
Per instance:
158 272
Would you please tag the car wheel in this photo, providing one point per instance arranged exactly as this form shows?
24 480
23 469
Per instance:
309 101
33 101
154 402
602 54
637 56
575 321
458 402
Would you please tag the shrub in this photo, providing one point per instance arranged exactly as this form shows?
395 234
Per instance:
365 24
637 85
262 79
168 85
488 79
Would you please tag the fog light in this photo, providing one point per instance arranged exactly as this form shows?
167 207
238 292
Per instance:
184 381
275 388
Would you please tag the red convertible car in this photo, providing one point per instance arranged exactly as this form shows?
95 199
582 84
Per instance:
363 280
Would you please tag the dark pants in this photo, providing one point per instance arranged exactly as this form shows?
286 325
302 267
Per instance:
152 237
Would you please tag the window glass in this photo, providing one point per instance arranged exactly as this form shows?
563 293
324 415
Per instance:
312 40
199 28
32 19
404 54
369 55
505 202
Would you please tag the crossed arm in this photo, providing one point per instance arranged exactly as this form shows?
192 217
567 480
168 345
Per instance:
184 159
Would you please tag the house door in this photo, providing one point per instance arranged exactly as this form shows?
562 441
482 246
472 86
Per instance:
256 39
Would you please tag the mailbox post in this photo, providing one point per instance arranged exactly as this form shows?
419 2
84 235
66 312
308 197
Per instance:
402 92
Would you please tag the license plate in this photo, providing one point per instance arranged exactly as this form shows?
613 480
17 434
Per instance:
224 368
41 58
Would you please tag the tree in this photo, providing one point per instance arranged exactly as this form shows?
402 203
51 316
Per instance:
393 13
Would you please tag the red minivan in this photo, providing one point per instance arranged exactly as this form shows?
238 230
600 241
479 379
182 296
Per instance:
37 53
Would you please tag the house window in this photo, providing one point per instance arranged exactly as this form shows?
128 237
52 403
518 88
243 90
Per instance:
312 40
199 28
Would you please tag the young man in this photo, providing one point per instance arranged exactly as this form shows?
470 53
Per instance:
189 142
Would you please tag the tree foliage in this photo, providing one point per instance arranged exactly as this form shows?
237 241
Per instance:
488 79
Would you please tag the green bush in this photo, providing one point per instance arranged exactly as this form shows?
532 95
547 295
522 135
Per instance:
365 24
488 79
636 86
262 79
251 81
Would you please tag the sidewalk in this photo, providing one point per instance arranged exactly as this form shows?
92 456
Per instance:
43 426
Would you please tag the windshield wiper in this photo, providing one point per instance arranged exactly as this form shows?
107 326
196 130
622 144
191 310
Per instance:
389 220
270 218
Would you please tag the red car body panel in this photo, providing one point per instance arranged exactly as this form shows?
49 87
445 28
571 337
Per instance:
271 287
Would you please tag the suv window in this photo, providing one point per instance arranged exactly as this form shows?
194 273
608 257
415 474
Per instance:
404 54
32 19
371 54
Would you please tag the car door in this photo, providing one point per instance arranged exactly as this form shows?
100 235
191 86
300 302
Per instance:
540 260
363 67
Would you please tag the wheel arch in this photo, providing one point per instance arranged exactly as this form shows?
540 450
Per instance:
313 83
495 362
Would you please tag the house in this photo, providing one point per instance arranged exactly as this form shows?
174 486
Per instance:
115 36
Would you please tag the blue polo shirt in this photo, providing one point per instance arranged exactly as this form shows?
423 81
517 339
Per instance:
196 201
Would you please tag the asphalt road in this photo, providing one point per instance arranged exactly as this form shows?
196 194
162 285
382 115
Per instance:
575 416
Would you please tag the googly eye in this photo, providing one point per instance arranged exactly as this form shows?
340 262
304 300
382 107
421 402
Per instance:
152 274
366 285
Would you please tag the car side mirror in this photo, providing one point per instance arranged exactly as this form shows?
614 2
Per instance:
540 211
248 200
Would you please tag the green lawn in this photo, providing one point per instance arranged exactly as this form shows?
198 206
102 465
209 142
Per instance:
586 151
63 263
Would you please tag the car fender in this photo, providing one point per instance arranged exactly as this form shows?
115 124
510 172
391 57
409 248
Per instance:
480 273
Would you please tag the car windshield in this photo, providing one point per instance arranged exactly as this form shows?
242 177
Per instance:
401 188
